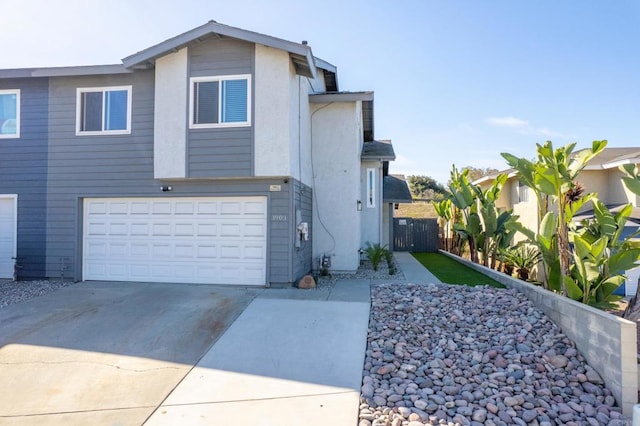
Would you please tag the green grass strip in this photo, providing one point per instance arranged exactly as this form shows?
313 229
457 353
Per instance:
450 271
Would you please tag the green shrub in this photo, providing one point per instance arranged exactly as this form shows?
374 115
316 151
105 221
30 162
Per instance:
389 258
375 254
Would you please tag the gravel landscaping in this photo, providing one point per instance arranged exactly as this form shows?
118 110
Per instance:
364 272
457 355
12 292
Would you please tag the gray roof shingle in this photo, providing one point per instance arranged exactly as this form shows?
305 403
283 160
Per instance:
377 150
395 190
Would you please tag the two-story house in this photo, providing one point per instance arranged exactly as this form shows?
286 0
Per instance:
218 156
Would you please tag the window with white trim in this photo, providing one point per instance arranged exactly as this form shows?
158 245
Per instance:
9 113
371 188
221 101
523 193
103 110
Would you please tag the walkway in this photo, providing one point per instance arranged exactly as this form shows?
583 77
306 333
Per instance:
414 271
292 357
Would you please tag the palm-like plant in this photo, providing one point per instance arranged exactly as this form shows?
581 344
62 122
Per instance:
375 254
523 258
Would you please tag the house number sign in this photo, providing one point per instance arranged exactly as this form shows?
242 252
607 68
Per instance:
279 218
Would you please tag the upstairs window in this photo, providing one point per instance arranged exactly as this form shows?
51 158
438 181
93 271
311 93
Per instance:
9 113
103 110
220 101
523 193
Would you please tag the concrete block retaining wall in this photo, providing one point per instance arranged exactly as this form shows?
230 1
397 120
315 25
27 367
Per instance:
607 342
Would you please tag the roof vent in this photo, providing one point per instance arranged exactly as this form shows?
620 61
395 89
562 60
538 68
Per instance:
304 42
211 21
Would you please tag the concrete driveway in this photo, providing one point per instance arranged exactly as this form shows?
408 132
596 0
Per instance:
107 353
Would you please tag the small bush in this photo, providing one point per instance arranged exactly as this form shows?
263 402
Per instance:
389 258
375 254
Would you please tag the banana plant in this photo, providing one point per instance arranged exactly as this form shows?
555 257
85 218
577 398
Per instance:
463 196
444 210
552 177
597 271
619 254
631 180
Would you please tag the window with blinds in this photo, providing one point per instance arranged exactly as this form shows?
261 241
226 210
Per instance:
221 101
103 110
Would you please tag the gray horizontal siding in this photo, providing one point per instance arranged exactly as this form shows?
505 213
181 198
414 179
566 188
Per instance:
302 256
80 166
221 152
223 56
23 171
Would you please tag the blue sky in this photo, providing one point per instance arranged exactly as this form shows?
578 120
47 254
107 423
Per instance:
455 81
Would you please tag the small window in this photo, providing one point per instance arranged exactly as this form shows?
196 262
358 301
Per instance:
9 113
220 101
523 193
104 110
371 188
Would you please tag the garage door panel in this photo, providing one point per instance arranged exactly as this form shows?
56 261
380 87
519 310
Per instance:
97 208
140 250
184 229
139 229
205 251
254 252
118 208
138 208
207 230
161 208
161 229
202 240
119 250
186 207
255 209
97 228
161 251
231 208
184 251
254 230
96 248
118 228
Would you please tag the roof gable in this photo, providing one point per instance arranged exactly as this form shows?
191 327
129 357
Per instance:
301 55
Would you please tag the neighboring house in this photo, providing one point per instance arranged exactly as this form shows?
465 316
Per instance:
218 156
600 176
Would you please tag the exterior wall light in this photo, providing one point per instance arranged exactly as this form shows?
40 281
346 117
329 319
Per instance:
359 205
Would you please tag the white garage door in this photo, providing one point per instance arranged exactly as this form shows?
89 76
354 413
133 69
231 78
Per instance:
189 240
8 221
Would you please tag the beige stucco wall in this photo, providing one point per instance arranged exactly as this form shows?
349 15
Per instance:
272 111
337 130
596 181
300 124
618 192
371 217
170 116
